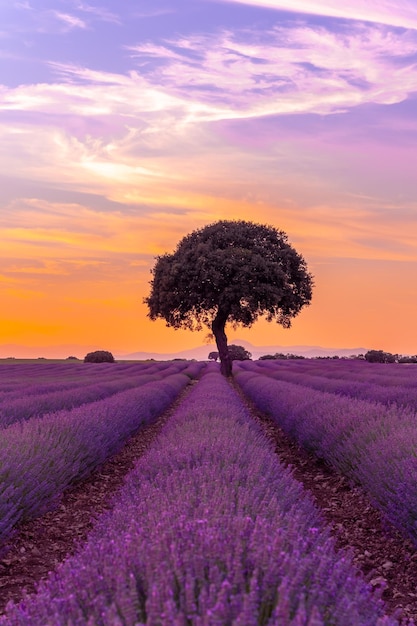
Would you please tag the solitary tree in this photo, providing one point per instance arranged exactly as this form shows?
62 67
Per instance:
229 271
99 356
379 356
238 353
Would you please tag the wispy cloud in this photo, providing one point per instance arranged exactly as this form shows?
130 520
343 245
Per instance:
98 11
79 15
23 5
73 21
133 137
283 70
399 13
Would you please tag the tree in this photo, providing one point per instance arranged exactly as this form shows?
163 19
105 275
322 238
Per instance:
402 359
229 272
99 356
238 353
379 356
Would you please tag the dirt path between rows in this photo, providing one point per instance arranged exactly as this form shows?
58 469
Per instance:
38 546
387 560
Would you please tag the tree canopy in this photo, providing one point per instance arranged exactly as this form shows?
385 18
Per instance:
229 272
238 353
99 356
379 356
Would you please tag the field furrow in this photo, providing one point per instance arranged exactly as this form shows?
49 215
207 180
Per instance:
38 546
372 444
358 383
42 456
210 528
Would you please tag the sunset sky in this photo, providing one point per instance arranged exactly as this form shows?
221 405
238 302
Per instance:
125 125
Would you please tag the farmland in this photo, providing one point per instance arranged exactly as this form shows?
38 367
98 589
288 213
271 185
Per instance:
208 525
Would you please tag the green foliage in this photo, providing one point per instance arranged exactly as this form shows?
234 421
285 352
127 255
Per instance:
229 272
408 359
238 353
379 356
241 269
99 356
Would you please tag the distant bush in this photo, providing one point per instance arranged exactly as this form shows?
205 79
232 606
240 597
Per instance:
379 356
238 353
72 358
213 356
408 359
99 356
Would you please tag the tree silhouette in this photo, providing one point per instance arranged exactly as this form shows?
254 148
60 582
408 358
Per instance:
229 272
99 356
239 353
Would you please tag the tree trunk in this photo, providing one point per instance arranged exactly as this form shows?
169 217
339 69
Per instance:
218 326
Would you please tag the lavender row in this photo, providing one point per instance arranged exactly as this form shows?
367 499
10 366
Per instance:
20 376
384 374
42 456
36 405
210 529
374 445
11 376
22 409
402 395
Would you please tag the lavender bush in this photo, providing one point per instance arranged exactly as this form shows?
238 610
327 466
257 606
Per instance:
36 405
209 530
373 444
31 401
343 381
42 456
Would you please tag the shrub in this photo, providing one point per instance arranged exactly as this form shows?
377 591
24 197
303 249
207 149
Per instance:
238 353
99 356
379 356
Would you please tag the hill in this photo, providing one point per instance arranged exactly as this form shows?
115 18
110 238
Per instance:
201 353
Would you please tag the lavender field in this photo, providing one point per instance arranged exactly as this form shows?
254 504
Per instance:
341 413
209 528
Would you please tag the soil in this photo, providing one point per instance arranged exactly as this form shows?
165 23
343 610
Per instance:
386 558
39 545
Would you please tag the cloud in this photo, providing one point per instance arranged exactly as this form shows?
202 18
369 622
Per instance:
159 139
43 20
99 12
71 20
23 5
397 13
70 230
234 75
282 70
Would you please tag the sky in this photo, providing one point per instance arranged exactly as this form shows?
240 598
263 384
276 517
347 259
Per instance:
126 125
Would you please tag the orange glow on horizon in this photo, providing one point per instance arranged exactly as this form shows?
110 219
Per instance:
90 292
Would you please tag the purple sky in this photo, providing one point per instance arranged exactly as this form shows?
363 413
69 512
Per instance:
124 127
